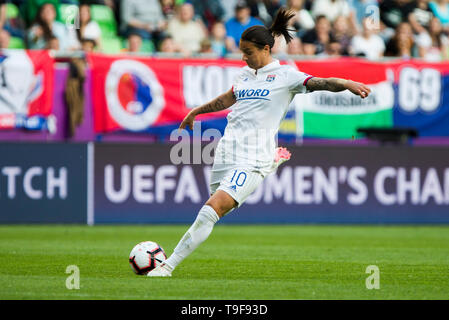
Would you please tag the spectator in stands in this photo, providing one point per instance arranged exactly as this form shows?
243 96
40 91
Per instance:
342 34
169 46
220 42
4 39
440 9
143 17
308 5
332 49
30 8
240 22
53 44
437 49
394 12
331 9
114 5
185 31
361 9
402 43
420 17
88 45
315 40
265 10
280 46
303 20
229 8
46 27
3 19
110 3
210 11
134 43
88 29
15 26
295 47
168 9
206 47
368 44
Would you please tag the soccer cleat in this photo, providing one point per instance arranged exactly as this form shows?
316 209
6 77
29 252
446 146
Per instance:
282 155
160 271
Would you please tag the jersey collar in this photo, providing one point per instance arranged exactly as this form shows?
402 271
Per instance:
269 67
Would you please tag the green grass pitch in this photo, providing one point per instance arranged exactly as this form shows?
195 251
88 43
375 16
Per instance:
236 262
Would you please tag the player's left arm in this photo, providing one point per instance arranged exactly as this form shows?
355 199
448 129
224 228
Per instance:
337 85
220 103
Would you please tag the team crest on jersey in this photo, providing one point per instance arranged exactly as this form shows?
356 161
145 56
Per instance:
135 98
271 77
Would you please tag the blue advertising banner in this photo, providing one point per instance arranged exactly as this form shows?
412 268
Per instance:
43 183
141 184
422 93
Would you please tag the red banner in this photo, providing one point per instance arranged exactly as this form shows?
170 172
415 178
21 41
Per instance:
26 89
136 93
145 93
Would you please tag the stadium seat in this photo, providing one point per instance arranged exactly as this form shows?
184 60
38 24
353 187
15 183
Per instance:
64 13
104 16
16 43
147 46
111 45
12 11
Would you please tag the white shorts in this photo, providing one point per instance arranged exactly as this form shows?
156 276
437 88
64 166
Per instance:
239 183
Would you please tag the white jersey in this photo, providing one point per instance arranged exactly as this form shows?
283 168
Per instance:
249 140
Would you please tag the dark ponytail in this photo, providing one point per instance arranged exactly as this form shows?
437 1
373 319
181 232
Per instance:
280 24
262 36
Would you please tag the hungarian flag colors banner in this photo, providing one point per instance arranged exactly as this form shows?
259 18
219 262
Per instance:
26 89
147 94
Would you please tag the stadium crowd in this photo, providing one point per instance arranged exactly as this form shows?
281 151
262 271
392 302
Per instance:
370 28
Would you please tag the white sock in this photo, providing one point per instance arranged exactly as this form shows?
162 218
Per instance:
197 233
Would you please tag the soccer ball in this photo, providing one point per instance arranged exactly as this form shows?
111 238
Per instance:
146 256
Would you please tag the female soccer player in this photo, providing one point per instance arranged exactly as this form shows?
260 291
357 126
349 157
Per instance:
247 152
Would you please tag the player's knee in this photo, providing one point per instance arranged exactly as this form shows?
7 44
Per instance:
220 209
221 204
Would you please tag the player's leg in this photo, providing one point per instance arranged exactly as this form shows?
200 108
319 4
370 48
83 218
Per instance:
233 190
235 186
216 207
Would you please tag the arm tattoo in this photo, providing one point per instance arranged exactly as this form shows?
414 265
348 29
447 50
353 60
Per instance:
221 103
329 84
213 106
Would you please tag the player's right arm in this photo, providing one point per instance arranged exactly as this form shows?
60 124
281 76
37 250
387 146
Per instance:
222 102
337 85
